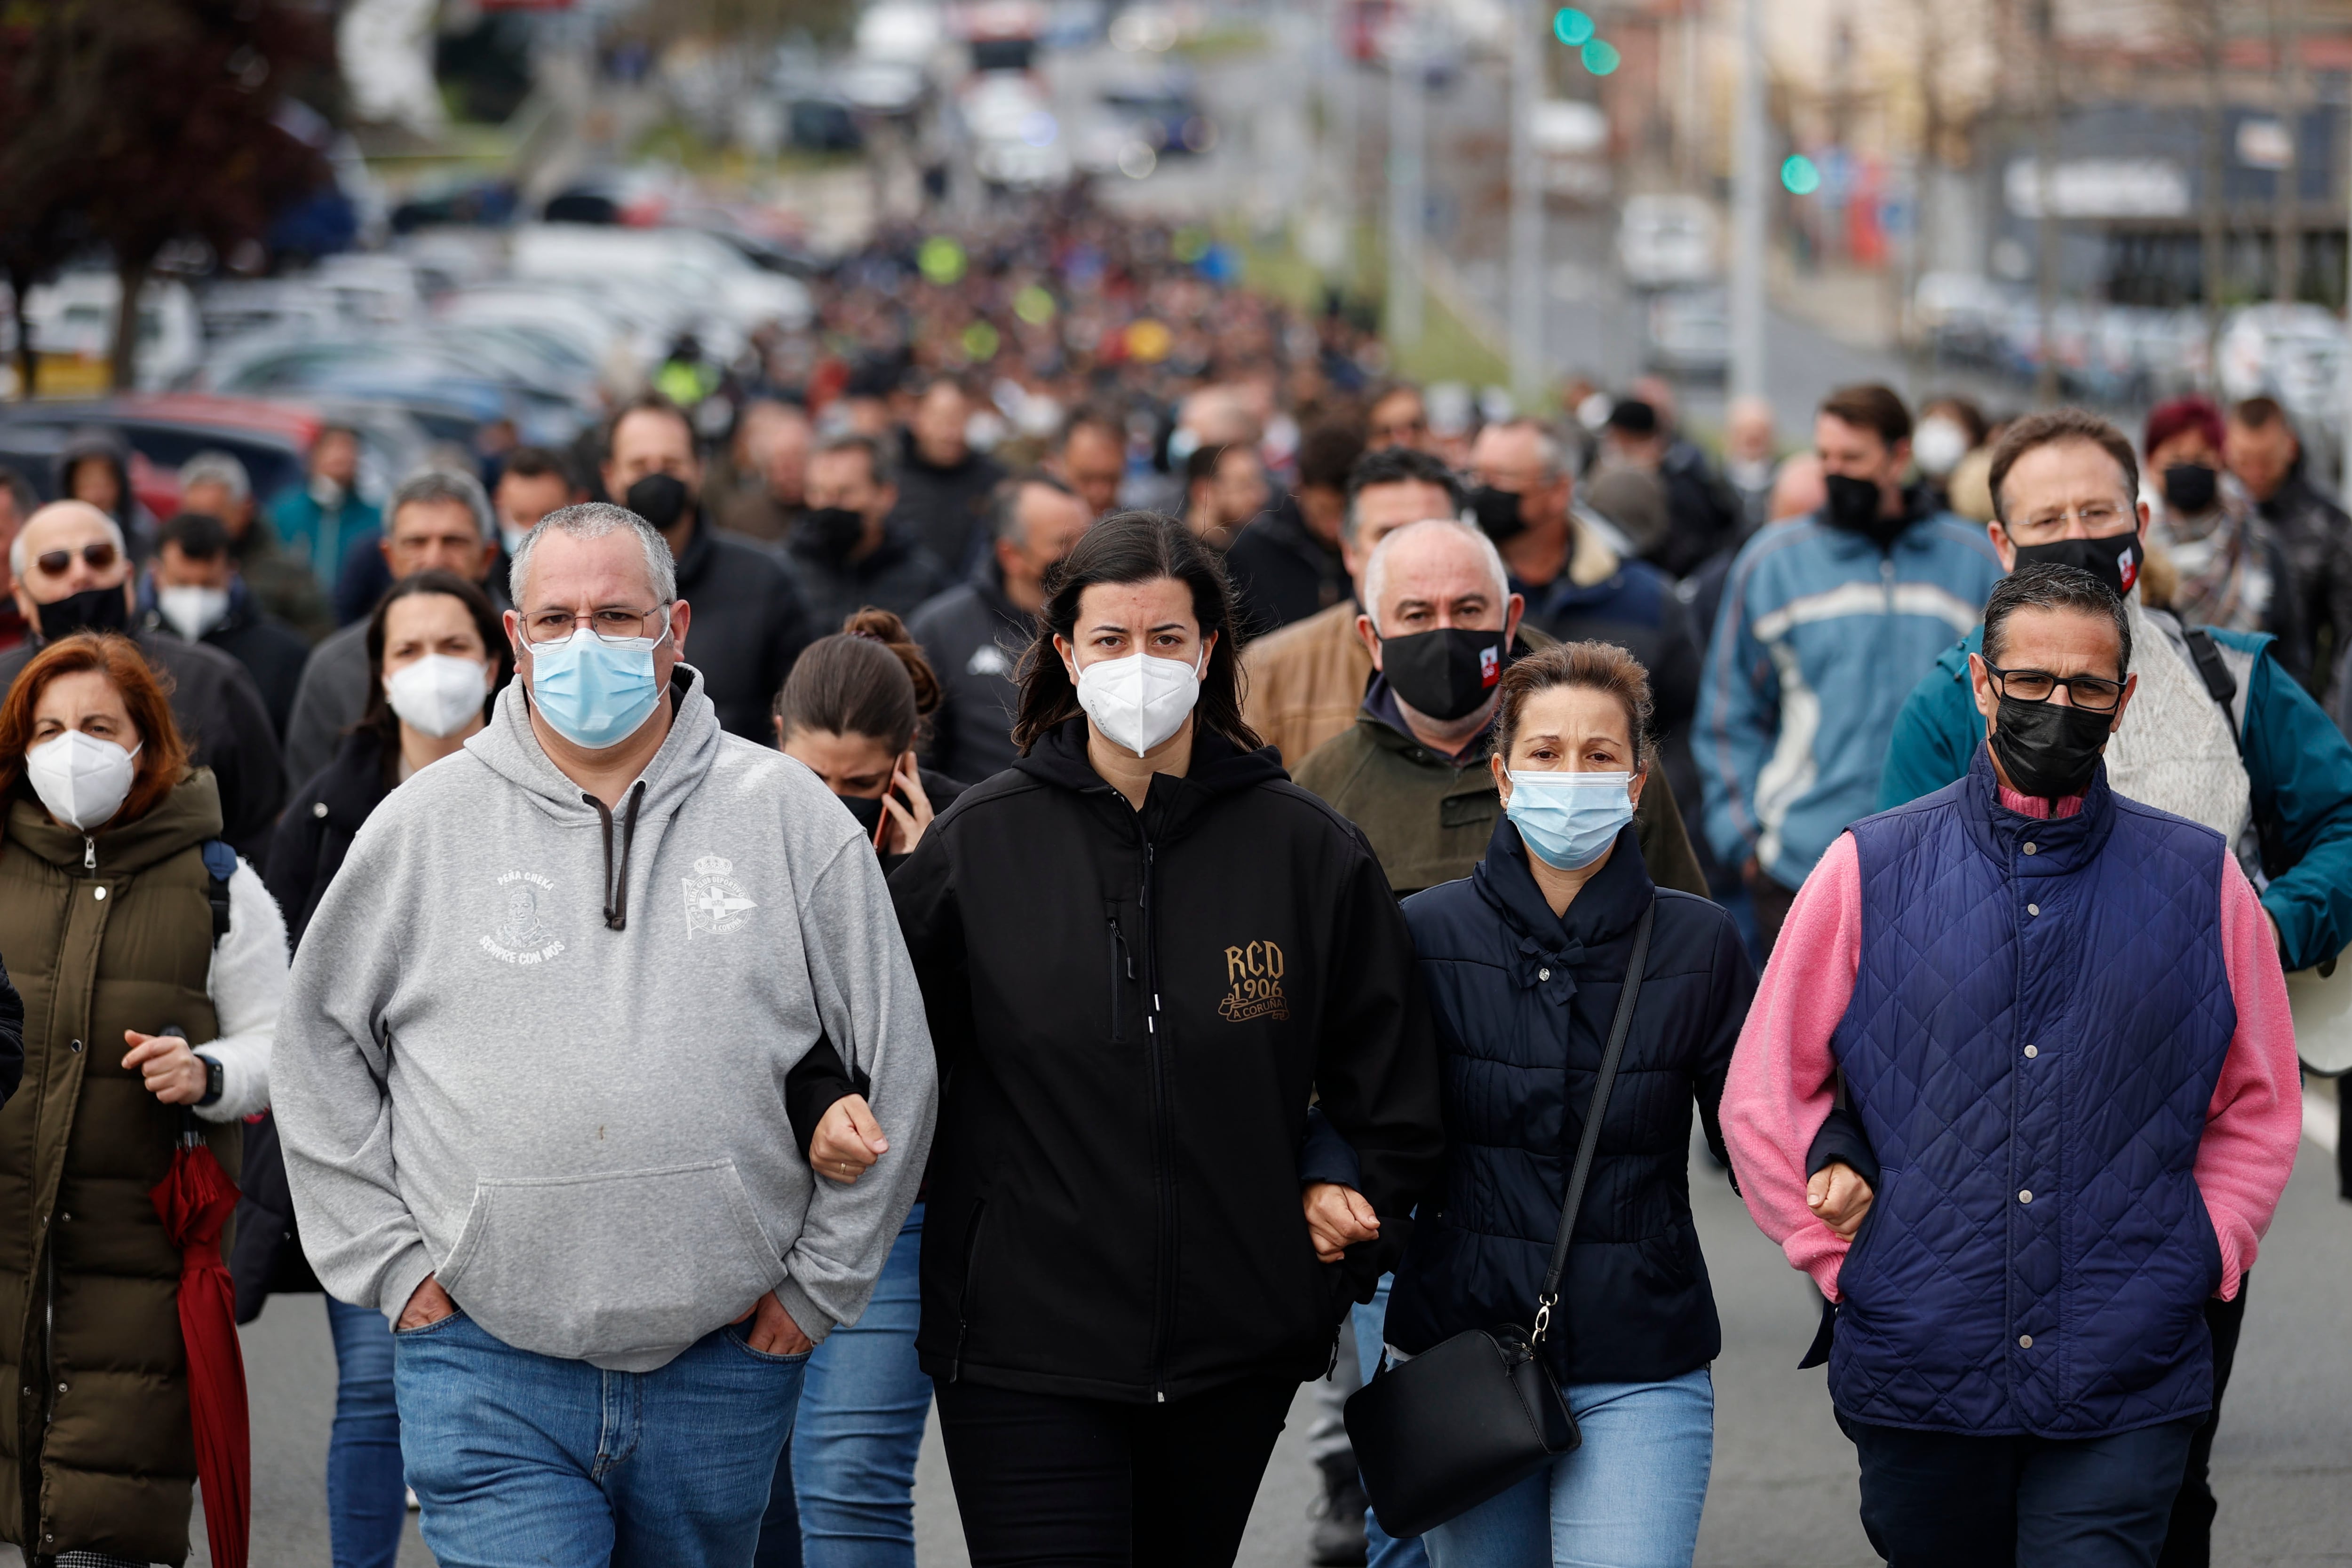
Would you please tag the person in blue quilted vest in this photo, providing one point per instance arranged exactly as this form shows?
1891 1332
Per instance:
2058 1018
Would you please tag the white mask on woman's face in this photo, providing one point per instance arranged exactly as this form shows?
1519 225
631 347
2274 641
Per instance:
1140 700
438 694
81 778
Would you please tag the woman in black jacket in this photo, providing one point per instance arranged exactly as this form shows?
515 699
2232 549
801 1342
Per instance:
1143 952
437 659
1523 961
844 1486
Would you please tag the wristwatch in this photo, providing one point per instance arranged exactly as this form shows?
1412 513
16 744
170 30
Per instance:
212 1078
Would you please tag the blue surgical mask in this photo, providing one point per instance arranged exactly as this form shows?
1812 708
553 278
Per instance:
1568 820
595 692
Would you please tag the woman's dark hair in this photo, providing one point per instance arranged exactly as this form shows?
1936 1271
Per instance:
1597 666
1133 547
871 679
379 719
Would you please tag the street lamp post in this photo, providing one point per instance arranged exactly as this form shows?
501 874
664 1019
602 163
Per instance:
1751 165
1407 202
1528 358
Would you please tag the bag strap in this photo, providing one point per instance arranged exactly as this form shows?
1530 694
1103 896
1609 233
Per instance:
1591 1142
2219 684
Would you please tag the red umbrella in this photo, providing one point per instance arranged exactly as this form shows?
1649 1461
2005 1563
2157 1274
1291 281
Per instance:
196 1198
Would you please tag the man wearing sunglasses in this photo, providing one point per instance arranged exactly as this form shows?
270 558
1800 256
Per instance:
2058 1016
2218 732
73 574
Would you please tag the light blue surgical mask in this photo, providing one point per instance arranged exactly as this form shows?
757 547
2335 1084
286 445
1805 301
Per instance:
595 691
1568 820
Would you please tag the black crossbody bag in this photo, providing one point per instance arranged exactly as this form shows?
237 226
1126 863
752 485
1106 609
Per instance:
1469 1419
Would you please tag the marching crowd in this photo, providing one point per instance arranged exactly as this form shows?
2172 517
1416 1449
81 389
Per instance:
1091 858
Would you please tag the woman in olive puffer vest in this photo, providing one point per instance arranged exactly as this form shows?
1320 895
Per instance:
107 926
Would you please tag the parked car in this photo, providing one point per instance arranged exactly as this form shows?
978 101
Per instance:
1667 241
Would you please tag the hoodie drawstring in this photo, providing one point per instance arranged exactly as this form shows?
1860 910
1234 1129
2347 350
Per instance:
616 889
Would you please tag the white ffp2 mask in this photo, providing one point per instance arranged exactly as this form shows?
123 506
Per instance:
191 612
437 694
1139 701
80 778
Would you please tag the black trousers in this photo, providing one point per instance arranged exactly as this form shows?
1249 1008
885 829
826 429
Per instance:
2189 1542
1041 1478
1944 1499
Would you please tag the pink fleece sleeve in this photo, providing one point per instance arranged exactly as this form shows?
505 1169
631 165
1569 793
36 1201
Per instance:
1779 1089
2256 1117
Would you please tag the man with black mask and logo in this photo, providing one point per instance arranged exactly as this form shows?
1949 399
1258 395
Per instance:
1440 620
73 574
1826 622
748 622
848 550
2217 732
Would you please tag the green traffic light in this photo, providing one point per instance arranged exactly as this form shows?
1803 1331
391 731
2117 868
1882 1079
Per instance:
1601 57
1572 26
1800 176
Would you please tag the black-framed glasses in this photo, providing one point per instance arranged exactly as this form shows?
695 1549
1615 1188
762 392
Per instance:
98 557
2092 693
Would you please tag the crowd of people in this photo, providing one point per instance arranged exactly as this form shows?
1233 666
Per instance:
1062 846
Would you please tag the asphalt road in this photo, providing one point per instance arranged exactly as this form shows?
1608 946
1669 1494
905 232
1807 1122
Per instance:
1784 1491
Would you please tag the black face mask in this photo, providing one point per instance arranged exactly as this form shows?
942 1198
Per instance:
1444 673
833 531
2049 749
91 610
2189 488
1854 507
660 498
867 810
1497 512
2113 560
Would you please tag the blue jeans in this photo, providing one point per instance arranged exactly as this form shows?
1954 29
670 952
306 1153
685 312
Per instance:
1629 1498
367 1501
524 1458
851 1463
1381 1550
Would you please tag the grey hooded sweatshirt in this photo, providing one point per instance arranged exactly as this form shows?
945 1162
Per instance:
581 1129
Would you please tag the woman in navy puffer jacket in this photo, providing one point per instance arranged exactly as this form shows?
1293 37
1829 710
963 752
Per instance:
1523 962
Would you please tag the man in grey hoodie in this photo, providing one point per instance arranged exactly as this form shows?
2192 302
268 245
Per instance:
532 1085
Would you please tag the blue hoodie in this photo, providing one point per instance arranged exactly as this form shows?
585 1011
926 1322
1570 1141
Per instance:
1821 636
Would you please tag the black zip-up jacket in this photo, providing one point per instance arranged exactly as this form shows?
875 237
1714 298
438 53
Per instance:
1133 1011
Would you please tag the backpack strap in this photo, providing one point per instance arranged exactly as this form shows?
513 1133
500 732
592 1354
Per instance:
2219 685
220 864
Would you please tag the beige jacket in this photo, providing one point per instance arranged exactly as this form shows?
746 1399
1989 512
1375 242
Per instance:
1305 682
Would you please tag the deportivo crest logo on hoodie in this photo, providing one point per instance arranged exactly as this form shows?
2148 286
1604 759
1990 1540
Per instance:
716 903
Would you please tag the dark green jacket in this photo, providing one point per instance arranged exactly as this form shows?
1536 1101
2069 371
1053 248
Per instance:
1429 817
95 1450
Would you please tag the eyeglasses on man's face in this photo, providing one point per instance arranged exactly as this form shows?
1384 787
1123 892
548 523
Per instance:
98 557
612 623
2099 519
2094 694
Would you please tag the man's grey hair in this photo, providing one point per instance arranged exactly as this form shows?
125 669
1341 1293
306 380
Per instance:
1005 506
213 467
594 520
18 558
1547 444
438 486
2048 585
1376 570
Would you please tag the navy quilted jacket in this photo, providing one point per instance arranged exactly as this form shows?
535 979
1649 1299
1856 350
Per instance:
2040 1014
1522 1001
